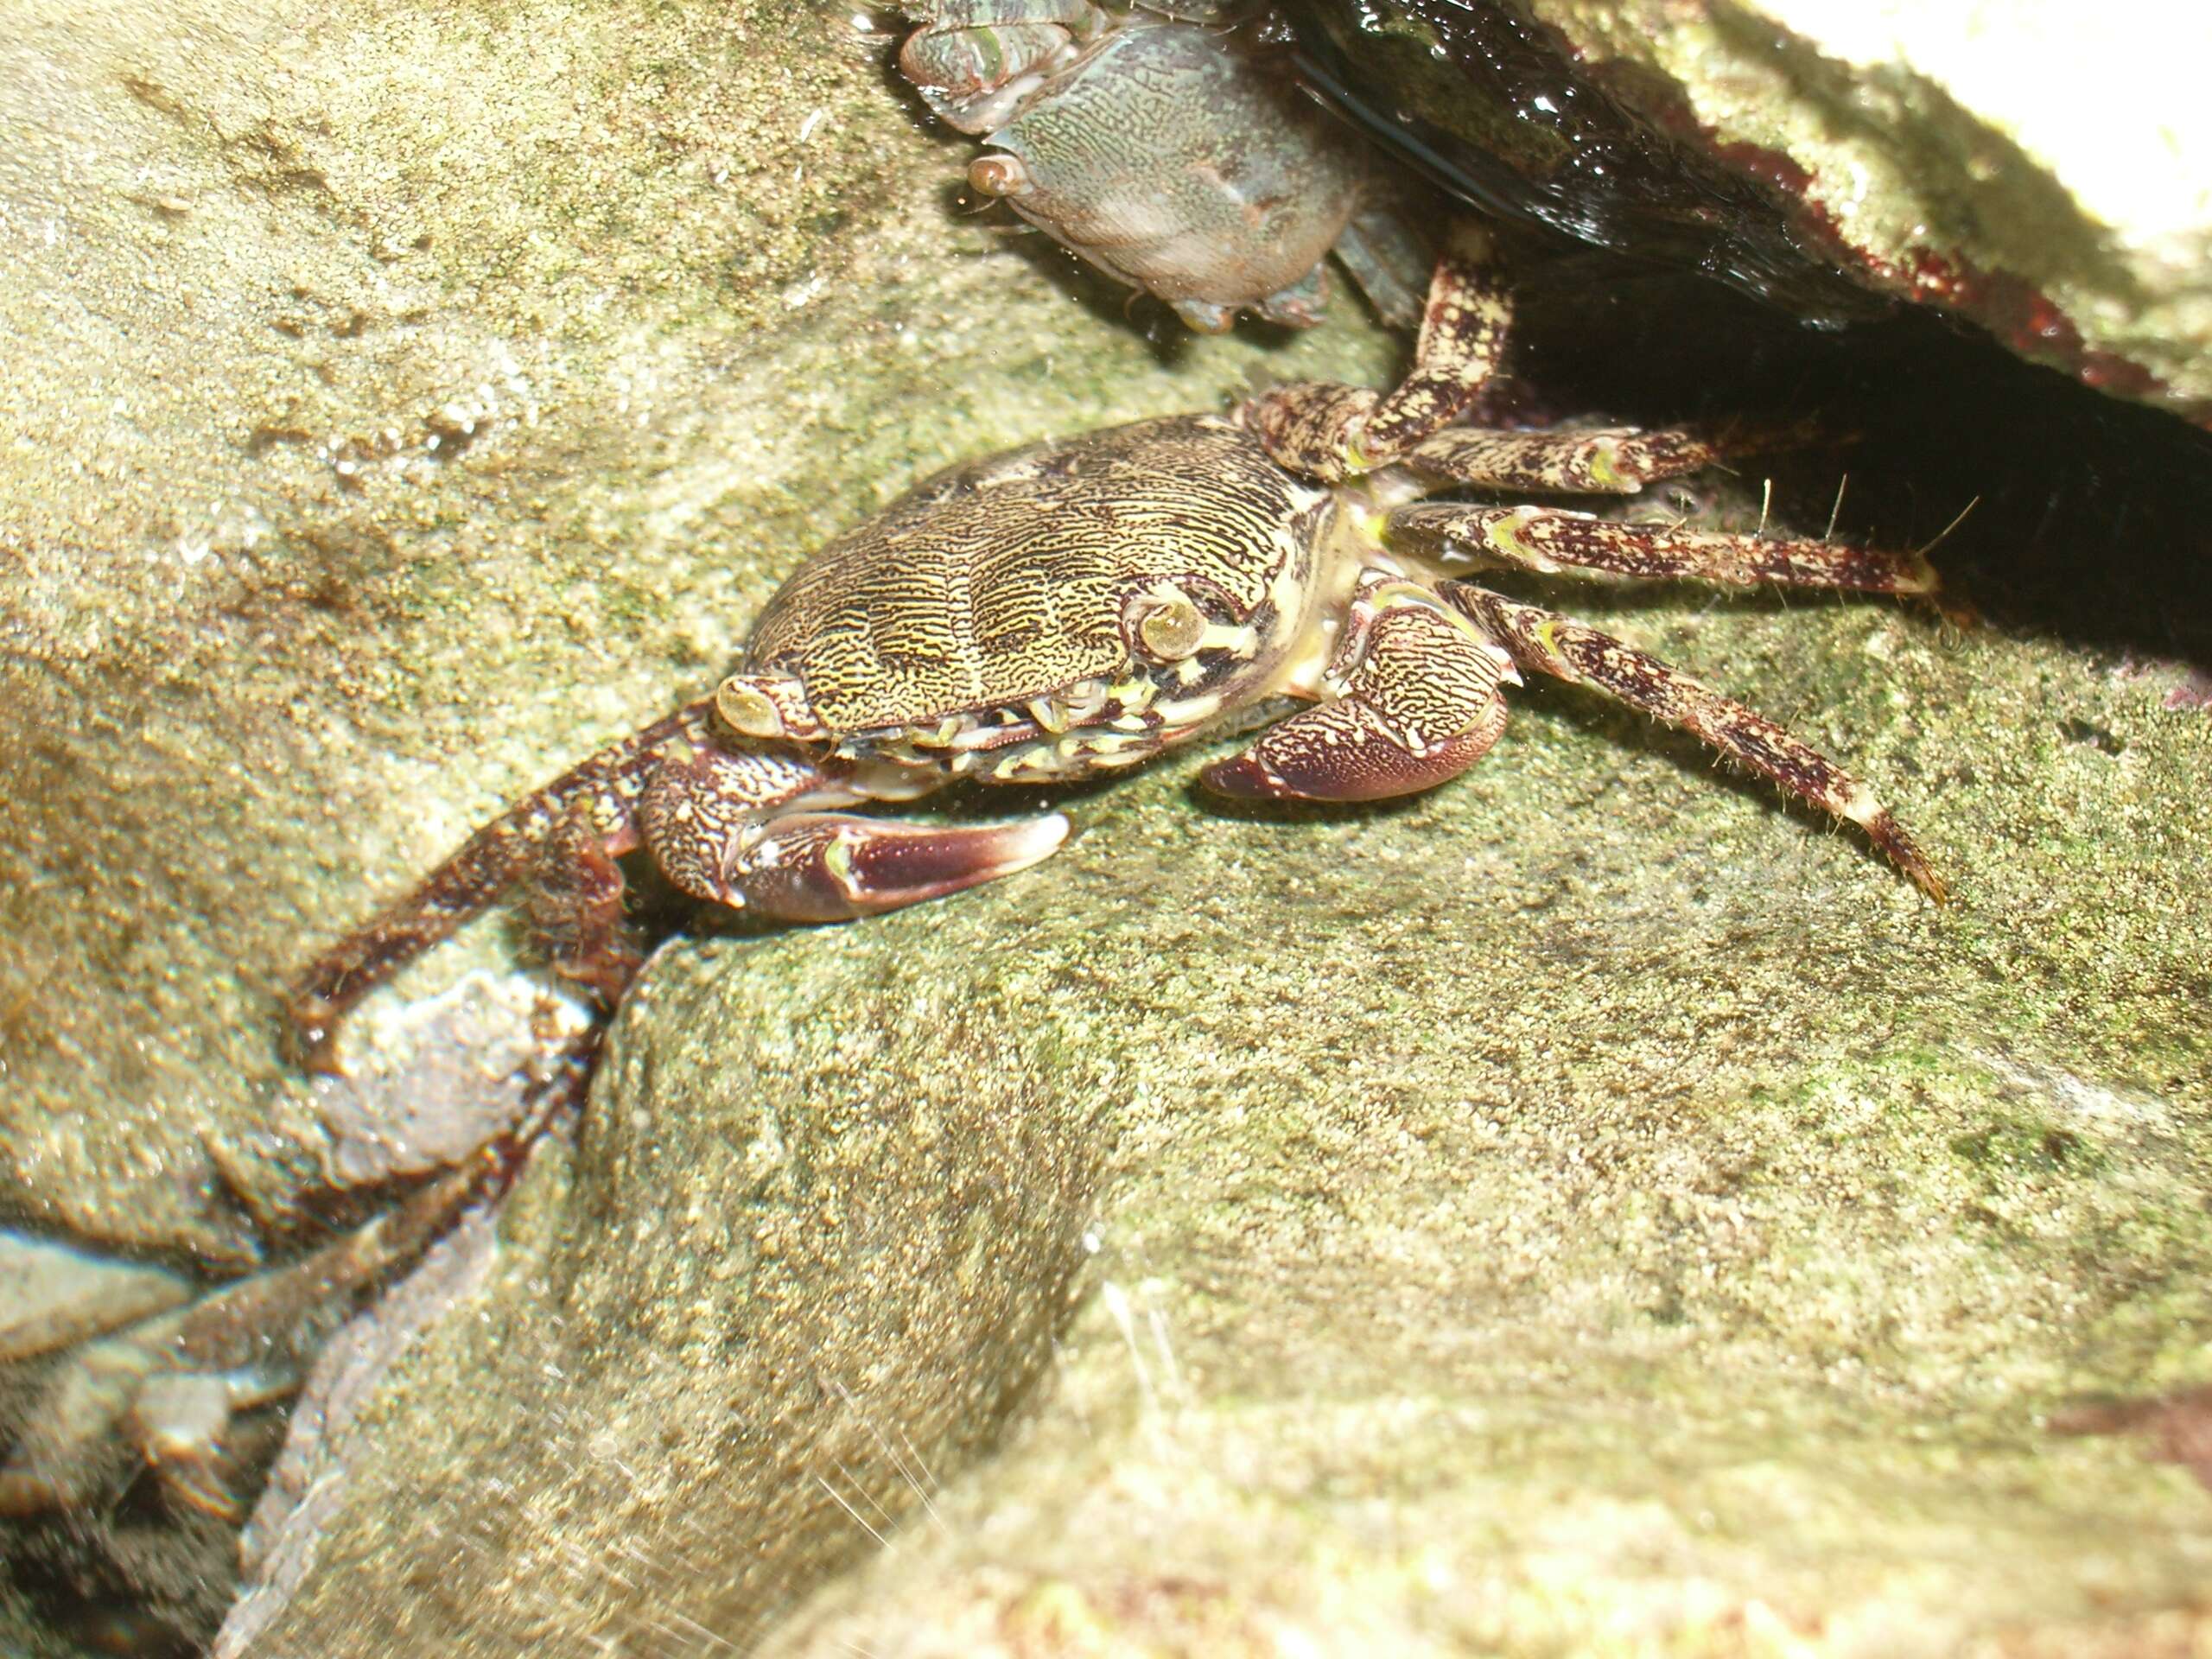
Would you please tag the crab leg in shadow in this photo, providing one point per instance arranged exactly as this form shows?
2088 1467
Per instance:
740 826
1332 432
169 1384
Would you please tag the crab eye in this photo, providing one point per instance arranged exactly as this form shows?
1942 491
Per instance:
999 175
745 707
1171 627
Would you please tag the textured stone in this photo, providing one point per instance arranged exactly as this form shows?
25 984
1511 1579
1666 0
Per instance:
409 404
1585 1204
395 406
1589 1205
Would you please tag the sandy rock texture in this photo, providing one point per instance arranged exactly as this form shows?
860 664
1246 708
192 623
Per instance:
1590 1204
1586 1205
398 403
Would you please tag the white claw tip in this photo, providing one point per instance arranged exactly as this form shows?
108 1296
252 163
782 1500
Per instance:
1043 838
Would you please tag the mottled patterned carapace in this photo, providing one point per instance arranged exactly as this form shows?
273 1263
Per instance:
1078 607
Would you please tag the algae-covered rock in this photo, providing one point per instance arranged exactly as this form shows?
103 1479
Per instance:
1586 1204
398 405
395 405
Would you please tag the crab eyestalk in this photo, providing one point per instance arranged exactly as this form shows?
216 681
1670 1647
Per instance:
767 707
998 175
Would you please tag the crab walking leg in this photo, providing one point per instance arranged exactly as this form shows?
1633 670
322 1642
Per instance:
1331 432
1585 460
714 834
574 906
1462 338
600 794
1553 540
1547 643
171 1382
1421 702
1595 460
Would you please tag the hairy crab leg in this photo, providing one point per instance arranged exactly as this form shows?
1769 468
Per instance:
1553 541
1422 700
1462 341
600 794
1580 461
1547 643
1332 432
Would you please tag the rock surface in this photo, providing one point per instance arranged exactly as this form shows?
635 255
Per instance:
395 406
2043 169
363 446
1586 1203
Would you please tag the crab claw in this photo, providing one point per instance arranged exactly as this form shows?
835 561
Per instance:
1344 752
1421 704
831 867
747 828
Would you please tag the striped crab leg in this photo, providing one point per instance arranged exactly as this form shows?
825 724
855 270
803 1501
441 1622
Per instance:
1547 643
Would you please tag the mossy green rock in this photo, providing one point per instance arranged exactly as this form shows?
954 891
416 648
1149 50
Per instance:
1588 1207
396 408
1584 1206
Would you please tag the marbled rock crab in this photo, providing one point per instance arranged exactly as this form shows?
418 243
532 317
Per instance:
1080 606
1055 613
1153 142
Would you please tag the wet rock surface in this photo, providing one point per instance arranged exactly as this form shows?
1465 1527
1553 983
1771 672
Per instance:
398 407
1589 1199
2040 170
1586 1200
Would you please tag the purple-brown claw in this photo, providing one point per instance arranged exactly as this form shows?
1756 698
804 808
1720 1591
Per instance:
1344 751
831 867
1421 702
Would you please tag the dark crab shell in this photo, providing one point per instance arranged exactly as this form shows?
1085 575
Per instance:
1009 579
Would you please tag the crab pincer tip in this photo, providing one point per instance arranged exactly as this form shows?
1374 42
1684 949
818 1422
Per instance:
1244 778
886 863
1012 846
